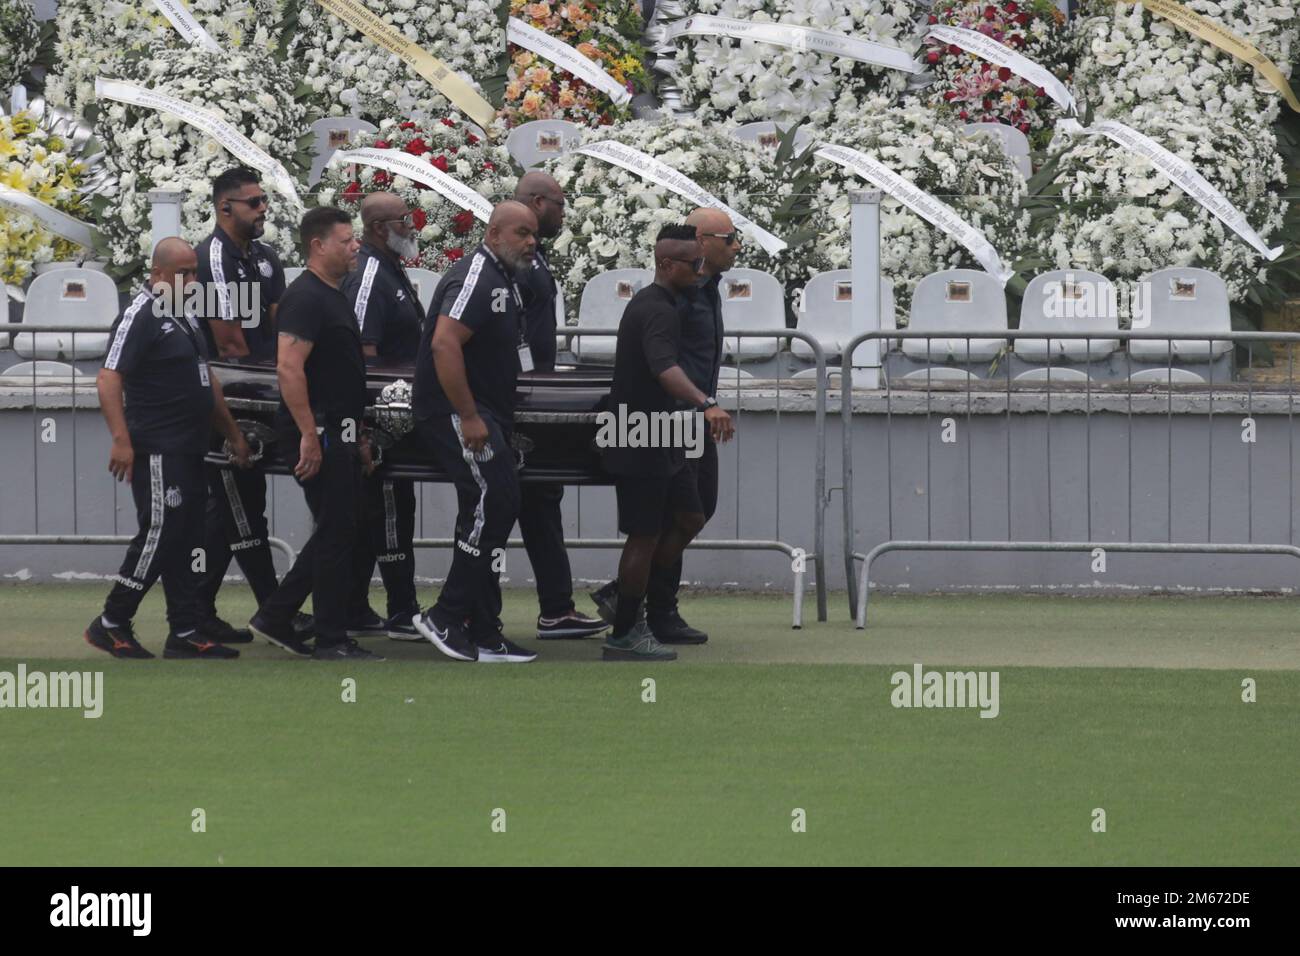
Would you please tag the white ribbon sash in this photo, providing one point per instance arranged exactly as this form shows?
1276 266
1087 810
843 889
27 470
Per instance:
922 203
661 174
413 168
1181 173
189 28
794 37
566 57
54 220
240 146
990 49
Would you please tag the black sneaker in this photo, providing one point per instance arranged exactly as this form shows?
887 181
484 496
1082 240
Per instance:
569 626
368 624
216 630
304 626
606 600
638 644
446 635
196 647
400 626
119 641
671 629
282 636
349 650
503 651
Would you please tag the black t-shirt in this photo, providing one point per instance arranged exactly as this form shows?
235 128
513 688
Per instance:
240 287
540 290
336 367
386 305
164 367
649 341
701 348
478 292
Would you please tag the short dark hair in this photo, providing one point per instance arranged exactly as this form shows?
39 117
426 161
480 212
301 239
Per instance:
231 180
318 223
677 231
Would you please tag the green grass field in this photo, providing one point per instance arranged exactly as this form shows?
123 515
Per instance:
1130 705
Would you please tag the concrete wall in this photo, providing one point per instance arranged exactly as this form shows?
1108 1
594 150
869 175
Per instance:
1160 472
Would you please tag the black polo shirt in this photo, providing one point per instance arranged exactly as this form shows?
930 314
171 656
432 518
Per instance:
540 292
228 276
386 305
479 292
701 348
336 368
649 343
164 367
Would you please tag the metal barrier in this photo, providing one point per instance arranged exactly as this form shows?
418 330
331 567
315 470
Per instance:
78 387
1092 398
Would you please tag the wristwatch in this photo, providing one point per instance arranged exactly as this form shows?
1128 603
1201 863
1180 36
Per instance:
708 403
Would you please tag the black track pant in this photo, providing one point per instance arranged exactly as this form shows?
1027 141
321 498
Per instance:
662 599
542 527
487 493
333 560
235 526
390 529
170 495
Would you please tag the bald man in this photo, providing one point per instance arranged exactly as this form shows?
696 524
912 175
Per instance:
471 353
388 313
160 402
700 357
541 523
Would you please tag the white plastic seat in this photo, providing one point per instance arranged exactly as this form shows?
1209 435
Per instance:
1013 142
334 133
1167 374
68 297
4 314
1184 301
767 134
826 313
731 375
291 273
1053 373
751 301
1068 300
531 144
45 372
604 298
939 373
426 283
949 302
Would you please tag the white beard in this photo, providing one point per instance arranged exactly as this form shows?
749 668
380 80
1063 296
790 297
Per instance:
407 248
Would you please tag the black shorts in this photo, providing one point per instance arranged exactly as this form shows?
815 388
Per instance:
646 505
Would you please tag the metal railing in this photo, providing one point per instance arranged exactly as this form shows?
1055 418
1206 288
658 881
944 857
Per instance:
1090 398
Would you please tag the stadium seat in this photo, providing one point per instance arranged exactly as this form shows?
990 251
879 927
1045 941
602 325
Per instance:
939 373
1013 142
1167 374
4 314
1068 300
1185 301
604 298
1053 373
946 303
751 301
826 313
532 144
334 133
45 373
730 375
767 134
71 297
291 273
426 283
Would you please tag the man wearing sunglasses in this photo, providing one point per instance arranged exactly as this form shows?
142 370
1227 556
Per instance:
389 317
659 507
700 357
242 282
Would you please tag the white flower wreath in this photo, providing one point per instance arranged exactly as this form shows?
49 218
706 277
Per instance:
149 150
19 43
93 33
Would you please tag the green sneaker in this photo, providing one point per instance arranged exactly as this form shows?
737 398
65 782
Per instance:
638 644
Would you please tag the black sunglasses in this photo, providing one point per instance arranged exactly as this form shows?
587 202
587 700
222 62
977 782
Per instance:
254 202
695 264
730 237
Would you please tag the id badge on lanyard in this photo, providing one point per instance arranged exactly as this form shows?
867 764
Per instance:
525 353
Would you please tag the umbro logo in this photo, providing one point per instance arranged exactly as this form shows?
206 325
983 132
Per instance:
168 328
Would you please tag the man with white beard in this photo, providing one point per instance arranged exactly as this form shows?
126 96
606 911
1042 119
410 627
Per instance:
389 316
